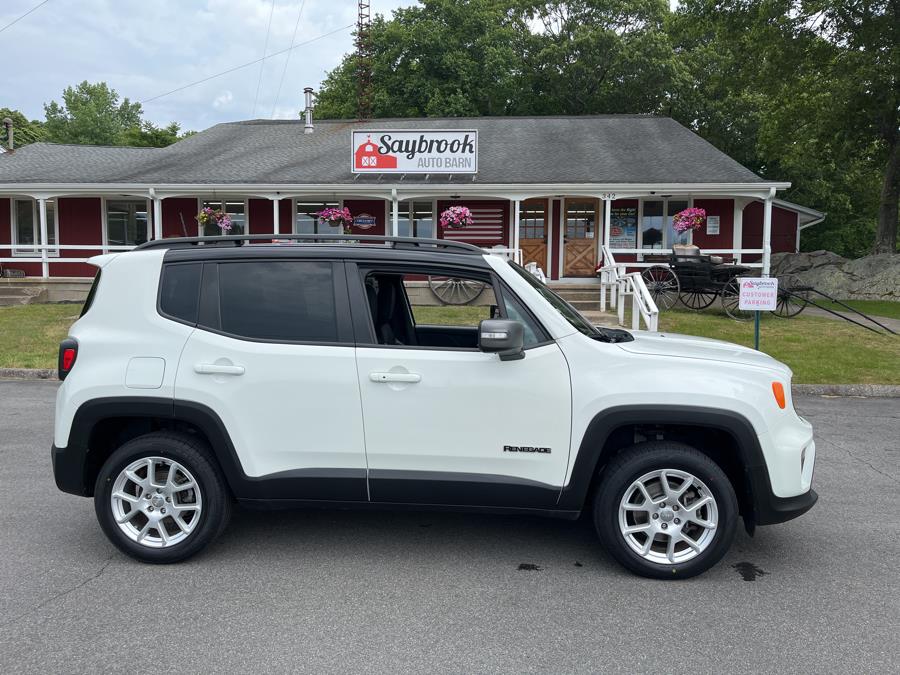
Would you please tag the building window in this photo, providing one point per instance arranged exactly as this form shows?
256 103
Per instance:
532 220
26 227
307 222
237 210
581 220
419 223
127 222
656 228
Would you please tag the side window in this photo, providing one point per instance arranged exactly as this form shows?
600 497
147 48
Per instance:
449 301
288 301
534 334
179 294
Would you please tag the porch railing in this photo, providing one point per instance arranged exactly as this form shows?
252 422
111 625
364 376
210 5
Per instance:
619 285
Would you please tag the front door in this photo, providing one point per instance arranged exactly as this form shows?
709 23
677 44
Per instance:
274 358
446 423
580 239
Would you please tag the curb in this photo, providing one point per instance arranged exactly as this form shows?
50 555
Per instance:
869 390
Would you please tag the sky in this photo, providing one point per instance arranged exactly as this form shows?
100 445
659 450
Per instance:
144 48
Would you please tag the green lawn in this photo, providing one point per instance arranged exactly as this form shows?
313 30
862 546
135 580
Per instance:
818 350
30 334
874 308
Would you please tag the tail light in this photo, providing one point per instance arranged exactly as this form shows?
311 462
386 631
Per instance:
68 354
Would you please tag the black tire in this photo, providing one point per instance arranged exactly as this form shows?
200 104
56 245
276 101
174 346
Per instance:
639 460
194 455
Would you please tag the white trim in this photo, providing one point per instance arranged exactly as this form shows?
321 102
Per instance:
104 218
35 249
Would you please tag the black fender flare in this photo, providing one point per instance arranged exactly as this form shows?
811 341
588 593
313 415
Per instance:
601 427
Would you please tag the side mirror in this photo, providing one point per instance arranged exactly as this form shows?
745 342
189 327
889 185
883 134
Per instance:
504 337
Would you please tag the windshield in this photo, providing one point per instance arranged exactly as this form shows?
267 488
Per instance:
569 313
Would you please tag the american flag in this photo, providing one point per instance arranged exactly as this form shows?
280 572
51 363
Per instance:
487 228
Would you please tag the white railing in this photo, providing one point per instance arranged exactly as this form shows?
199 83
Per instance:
509 253
610 279
642 303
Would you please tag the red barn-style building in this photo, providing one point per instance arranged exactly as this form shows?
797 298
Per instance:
553 189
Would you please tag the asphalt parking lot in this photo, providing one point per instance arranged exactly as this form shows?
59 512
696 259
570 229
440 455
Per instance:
397 592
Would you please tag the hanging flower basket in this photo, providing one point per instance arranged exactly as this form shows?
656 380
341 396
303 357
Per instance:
217 217
689 220
336 217
456 218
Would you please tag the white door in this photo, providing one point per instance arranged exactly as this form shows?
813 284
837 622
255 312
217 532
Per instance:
454 425
272 367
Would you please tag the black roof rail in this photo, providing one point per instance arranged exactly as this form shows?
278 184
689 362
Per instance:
240 239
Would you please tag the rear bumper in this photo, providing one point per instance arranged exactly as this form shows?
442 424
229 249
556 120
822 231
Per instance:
68 471
769 509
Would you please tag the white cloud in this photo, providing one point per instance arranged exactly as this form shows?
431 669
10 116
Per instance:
144 49
222 100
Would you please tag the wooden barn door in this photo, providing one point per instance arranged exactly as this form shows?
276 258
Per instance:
580 238
533 219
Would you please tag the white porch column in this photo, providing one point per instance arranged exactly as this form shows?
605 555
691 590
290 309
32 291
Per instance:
737 239
607 215
157 217
42 213
767 232
516 208
276 215
395 214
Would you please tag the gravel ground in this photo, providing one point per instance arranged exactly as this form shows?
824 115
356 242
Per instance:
398 592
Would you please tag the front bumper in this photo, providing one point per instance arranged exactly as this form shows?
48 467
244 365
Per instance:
769 509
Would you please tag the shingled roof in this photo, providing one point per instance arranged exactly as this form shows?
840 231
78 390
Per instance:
605 149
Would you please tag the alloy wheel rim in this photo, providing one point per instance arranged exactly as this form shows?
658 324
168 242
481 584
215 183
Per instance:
668 516
156 502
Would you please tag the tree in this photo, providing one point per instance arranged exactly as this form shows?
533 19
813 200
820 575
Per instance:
25 131
148 135
91 114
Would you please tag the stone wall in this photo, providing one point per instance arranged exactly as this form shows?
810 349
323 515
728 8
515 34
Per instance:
874 277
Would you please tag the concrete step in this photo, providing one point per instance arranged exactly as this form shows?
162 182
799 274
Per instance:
585 305
21 295
580 295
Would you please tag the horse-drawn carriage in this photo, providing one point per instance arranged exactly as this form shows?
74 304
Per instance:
698 280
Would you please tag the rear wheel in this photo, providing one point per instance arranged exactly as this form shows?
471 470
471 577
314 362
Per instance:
663 285
731 296
697 299
793 296
160 498
665 510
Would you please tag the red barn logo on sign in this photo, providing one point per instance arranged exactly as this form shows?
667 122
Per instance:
368 157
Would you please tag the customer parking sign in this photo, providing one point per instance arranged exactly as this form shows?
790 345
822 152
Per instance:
758 294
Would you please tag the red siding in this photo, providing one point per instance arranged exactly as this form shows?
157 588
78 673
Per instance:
373 207
724 208
260 216
285 214
178 210
784 230
477 204
80 223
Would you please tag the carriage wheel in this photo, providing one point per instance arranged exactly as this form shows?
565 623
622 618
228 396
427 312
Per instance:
730 301
454 291
663 285
793 296
697 299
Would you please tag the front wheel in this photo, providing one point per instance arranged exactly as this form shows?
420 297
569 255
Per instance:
665 510
160 498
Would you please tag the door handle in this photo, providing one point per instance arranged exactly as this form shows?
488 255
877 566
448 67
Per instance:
395 377
217 369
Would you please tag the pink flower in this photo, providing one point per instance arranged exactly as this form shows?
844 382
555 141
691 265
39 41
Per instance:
689 219
456 217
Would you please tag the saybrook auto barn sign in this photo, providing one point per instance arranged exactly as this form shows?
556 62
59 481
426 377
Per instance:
415 151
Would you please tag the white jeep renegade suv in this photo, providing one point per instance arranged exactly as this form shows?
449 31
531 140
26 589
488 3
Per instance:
313 373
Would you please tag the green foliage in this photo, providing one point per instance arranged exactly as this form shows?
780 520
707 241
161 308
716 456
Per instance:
25 131
94 114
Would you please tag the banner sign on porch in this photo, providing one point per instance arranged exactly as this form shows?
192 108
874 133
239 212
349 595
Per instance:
378 151
758 294
623 227
364 221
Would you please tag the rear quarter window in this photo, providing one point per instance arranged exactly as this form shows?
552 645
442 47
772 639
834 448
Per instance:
89 300
179 292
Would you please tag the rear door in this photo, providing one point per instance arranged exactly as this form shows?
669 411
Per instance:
444 422
273 357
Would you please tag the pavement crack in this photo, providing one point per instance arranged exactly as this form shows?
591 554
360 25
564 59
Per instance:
862 461
61 594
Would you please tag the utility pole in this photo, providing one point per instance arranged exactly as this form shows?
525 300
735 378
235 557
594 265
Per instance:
364 62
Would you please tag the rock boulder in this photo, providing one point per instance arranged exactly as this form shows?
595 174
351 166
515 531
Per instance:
874 277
